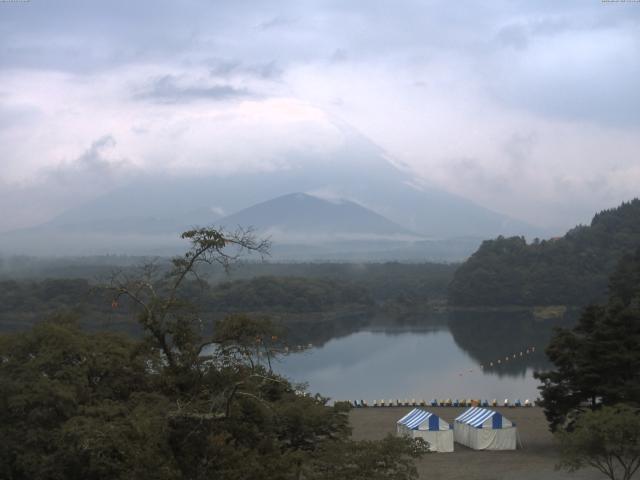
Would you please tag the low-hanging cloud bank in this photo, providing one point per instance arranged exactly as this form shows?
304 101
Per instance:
527 108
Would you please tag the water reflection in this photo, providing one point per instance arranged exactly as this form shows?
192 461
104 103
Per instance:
492 339
318 332
439 356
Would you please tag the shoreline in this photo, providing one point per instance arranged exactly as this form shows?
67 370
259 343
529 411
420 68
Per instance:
536 460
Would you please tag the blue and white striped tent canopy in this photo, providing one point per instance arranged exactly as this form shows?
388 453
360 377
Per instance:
483 418
418 419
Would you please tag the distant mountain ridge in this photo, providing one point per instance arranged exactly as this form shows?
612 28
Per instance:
299 214
571 270
383 201
357 172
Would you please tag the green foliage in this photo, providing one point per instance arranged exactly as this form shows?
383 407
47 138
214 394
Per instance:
44 295
390 458
78 405
284 290
73 401
291 294
177 404
572 270
598 361
607 439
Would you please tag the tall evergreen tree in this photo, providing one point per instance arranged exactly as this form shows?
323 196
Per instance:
598 361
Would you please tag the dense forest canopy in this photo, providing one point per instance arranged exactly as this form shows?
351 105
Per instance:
571 270
249 287
287 293
179 403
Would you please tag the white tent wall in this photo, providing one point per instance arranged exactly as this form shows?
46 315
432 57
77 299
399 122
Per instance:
461 433
431 428
490 439
439 441
483 429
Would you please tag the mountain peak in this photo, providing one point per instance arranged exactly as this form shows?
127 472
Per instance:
297 215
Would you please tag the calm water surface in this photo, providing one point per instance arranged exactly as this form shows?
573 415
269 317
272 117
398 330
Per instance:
425 363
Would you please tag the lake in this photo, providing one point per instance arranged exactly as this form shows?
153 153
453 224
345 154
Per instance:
455 358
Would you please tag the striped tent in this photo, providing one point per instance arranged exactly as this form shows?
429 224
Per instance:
420 423
484 429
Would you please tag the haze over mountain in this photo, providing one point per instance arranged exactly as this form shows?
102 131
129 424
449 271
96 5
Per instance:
502 104
299 217
355 191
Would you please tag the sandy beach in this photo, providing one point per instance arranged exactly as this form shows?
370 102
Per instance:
535 461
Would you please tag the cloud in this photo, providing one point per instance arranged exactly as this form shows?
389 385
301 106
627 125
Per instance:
56 188
218 211
92 163
520 106
277 21
16 116
170 89
471 171
339 55
520 33
519 148
584 75
221 68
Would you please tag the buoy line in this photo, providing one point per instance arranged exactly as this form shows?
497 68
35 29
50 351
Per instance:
508 358
438 403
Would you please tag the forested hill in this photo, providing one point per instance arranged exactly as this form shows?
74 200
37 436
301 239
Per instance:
571 270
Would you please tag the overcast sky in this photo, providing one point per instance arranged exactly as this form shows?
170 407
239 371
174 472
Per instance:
531 108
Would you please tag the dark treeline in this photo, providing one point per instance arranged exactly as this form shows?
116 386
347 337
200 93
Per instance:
572 270
25 267
249 287
384 281
294 294
26 302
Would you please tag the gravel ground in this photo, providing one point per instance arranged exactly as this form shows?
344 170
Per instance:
535 461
